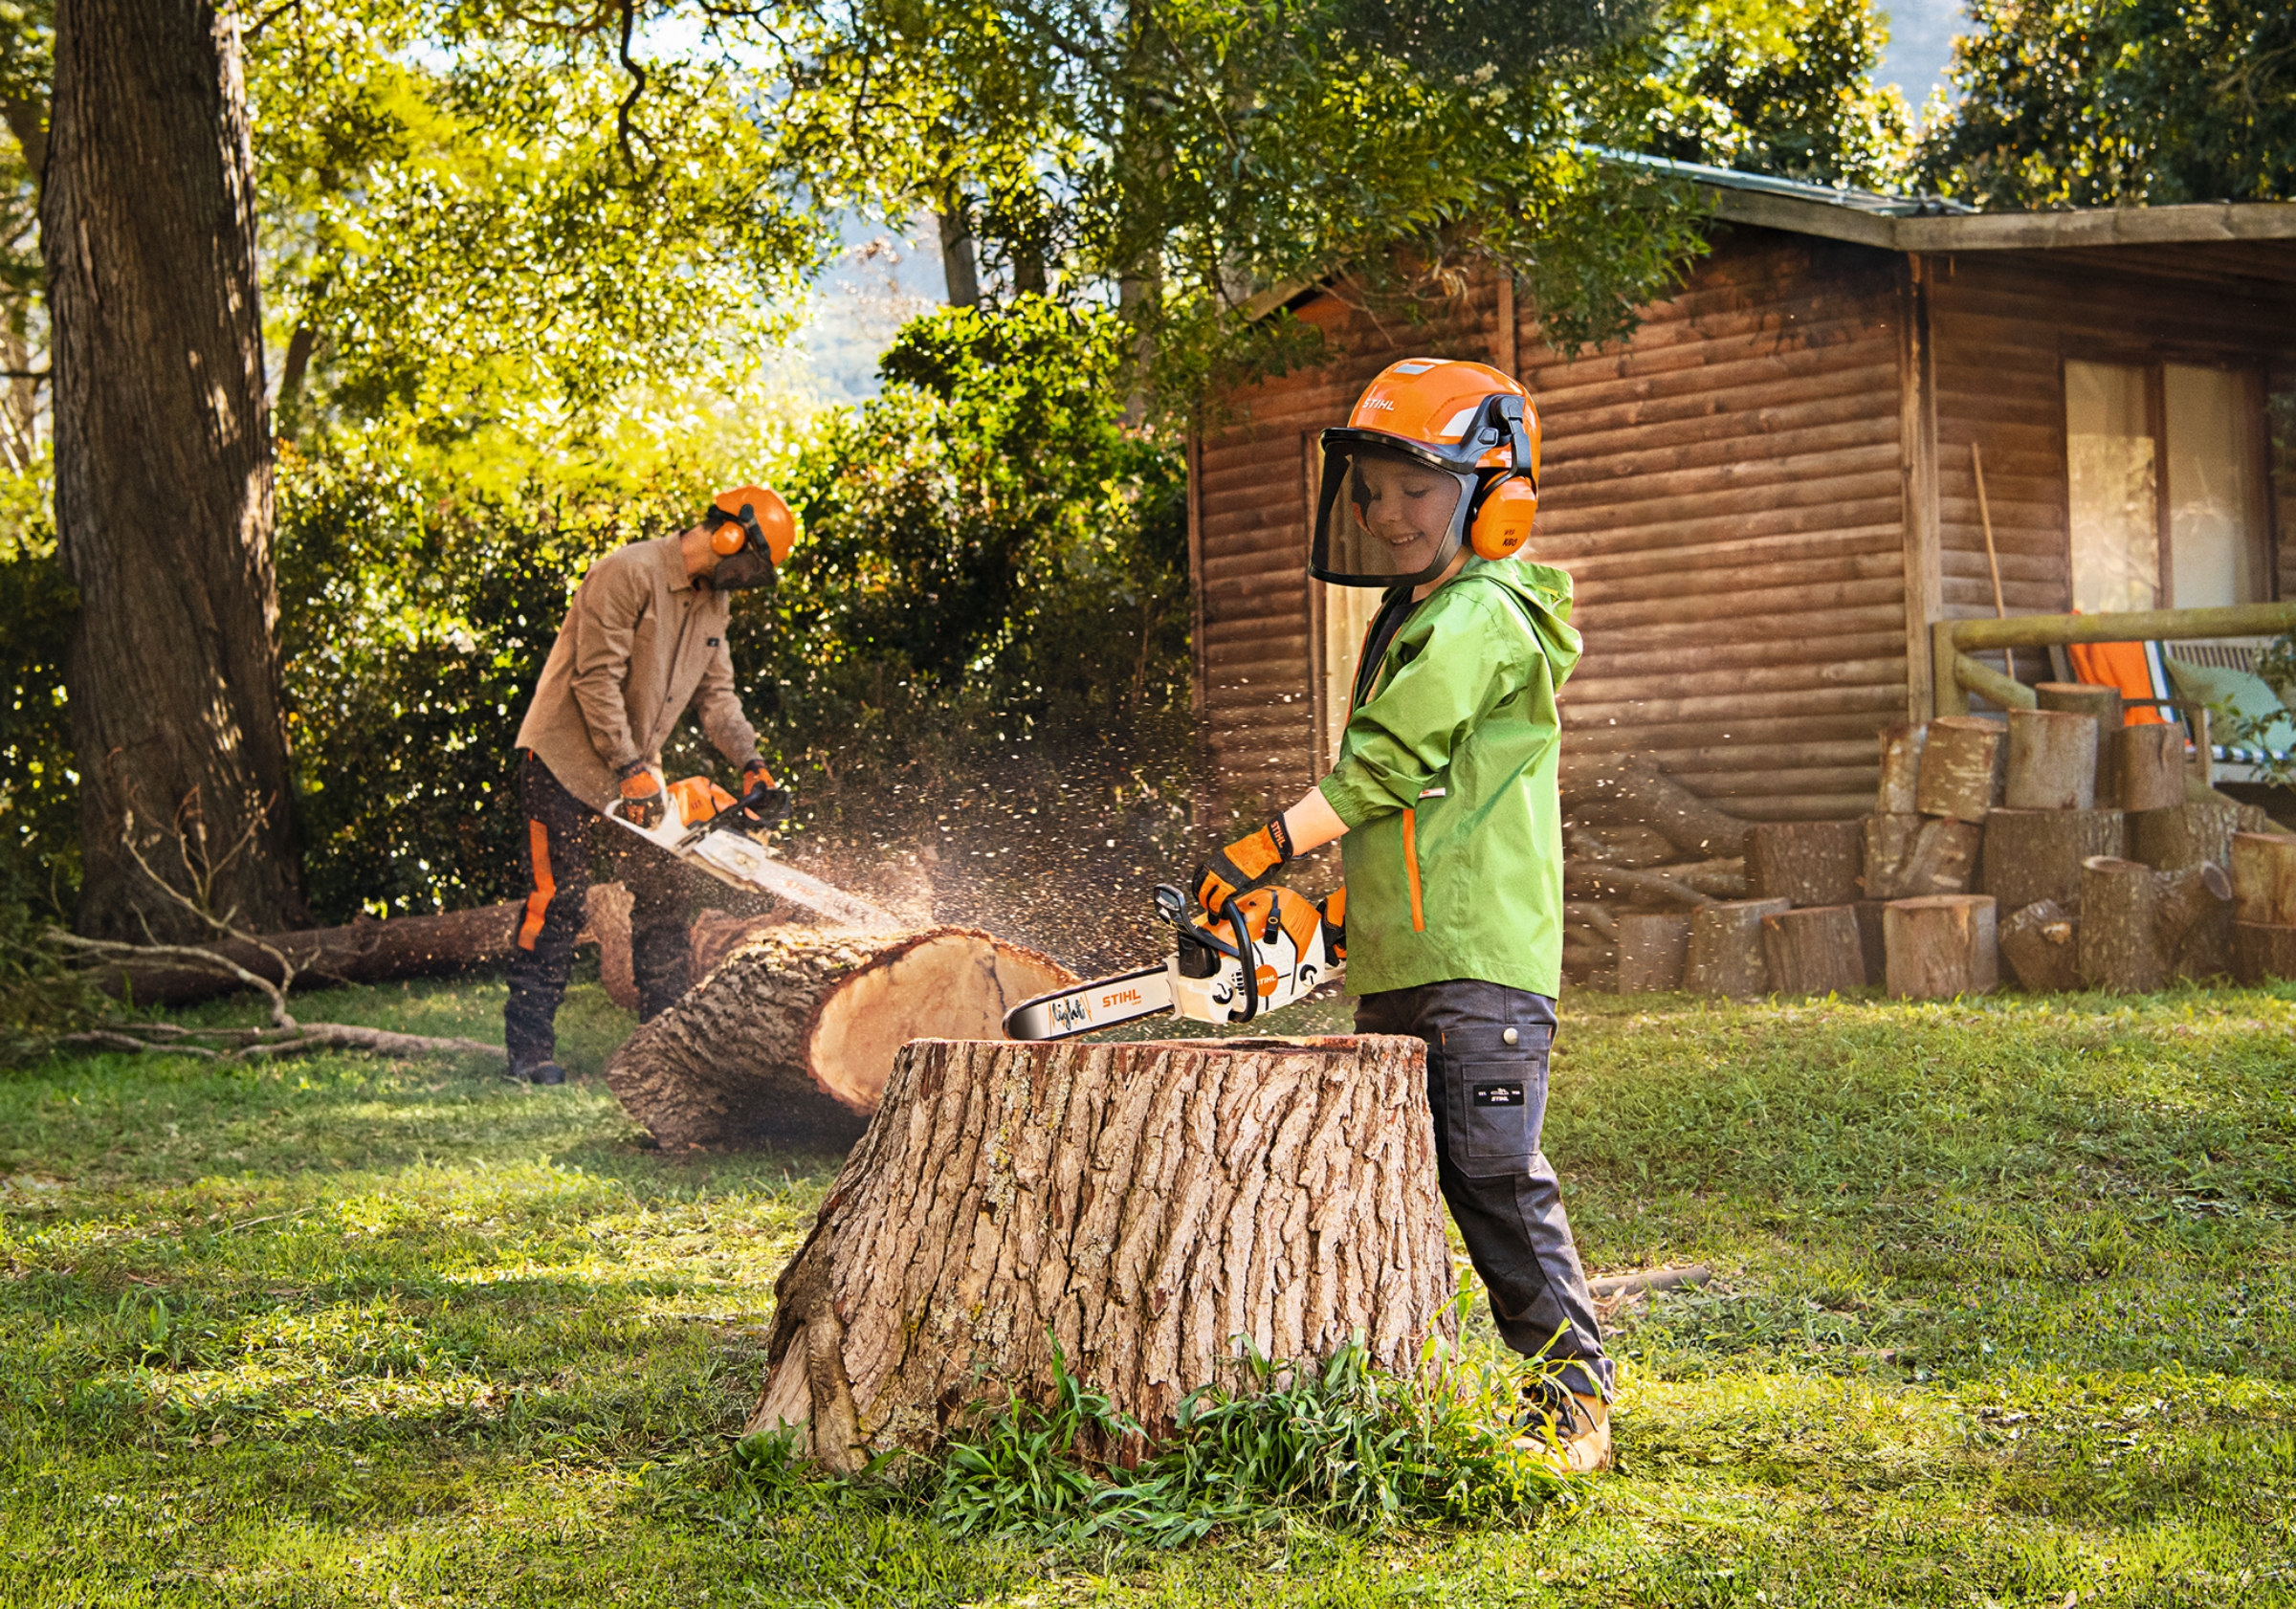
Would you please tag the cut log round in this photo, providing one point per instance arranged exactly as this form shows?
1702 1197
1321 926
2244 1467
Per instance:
2264 878
1941 945
1814 950
2052 761
790 1038
1810 863
2033 856
1913 855
1900 792
2120 947
1629 787
1726 955
2262 950
2101 704
1143 1207
2147 763
2196 833
2038 945
1961 767
1654 946
2195 920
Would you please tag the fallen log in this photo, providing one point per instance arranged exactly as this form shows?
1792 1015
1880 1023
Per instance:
1940 946
1590 880
1628 788
1144 1208
366 951
790 1041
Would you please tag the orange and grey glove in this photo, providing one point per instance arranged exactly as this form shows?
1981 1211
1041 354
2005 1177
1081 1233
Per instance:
643 802
765 799
1245 864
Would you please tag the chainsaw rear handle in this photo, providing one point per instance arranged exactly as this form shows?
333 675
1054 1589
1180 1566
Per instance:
1198 945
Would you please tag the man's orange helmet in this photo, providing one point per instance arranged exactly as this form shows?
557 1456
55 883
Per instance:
751 517
1437 454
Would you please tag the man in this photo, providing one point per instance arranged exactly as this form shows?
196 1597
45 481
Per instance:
1444 790
644 638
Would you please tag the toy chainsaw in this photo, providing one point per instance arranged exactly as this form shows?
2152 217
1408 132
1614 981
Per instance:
708 828
1286 945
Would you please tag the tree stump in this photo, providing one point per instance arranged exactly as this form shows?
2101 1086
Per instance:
2262 950
1654 946
1901 770
2264 878
1814 950
1726 955
1961 767
2052 761
2120 942
2148 764
1146 1203
2038 945
2033 856
2196 833
790 1038
1810 863
2101 704
2195 905
1941 945
1912 856
1870 940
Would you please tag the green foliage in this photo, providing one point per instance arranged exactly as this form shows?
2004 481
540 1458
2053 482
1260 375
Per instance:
2118 103
2277 666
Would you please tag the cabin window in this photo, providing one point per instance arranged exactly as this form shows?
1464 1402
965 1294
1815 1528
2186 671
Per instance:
2164 464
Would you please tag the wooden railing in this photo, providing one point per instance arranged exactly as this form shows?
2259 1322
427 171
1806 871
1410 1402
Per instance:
1958 675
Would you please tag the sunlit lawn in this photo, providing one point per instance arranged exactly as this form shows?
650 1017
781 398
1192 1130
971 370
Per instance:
2006 1311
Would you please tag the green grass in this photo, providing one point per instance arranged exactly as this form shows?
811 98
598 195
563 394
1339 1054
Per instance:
2006 1312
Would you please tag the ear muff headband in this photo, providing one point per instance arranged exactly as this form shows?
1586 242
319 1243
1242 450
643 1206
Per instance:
1500 518
730 533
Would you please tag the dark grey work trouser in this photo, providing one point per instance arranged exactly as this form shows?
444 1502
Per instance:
1489 1100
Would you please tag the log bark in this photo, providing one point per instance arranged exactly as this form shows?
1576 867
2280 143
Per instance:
1654 947
1726 955
1809 863
2264 878
1961 768
2195 920
2120 944
1143 1206
2101 704
2196 833
1814 950
366 951
790 1041
1900 792
2039 942
1590 880
2149 767
1940 946
2035 856
2052 761
2262 950
1907 856
1870 940
1628 788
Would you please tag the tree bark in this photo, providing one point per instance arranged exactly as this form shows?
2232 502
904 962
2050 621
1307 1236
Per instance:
790 1041
2102 705
1961 768
164 465
366 951
1141 1205
1726 955
1901 770
2033 856
2195 920
1909 856
1654 946
2197 834
2264 878
2262 950
2038 945
1627 787
1940 946
2052 761
1810 863
2148 764
1815 950
2120 944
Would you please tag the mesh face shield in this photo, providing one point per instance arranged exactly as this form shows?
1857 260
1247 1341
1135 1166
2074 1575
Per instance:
1390 514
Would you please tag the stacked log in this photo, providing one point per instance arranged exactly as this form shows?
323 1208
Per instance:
2193 832
1961 768
2263 889
1637 845
2036 942
1814 950
1726 955
1807 863
1912 856
1940 946
2102 705
2148 765
1654 947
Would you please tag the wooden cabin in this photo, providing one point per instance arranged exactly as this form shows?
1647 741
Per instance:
1771 491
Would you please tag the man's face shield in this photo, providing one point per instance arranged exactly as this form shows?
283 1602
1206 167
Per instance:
1388 516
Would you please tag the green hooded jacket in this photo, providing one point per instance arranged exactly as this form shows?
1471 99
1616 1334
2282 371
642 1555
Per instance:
1447 782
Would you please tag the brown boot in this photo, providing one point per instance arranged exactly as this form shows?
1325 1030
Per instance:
1571 1433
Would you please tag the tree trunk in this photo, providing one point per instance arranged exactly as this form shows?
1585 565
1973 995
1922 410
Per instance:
2102 705
2052 761
790 1041
1627 787
2038 945
2262 950
1940 946
2033 856
1815 950
1907 856
2264 878
366 951
1654 946
162 468
1901 770
1961 768
2195 920
2120 947
2149 767
1810 863
1726 955
2199 833
1144 1206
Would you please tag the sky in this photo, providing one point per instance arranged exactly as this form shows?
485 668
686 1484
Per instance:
1921 44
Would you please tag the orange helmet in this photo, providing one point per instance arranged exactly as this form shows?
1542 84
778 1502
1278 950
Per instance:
751 516
1438 452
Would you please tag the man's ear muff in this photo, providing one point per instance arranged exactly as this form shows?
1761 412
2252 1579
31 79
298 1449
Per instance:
735 532
1502 518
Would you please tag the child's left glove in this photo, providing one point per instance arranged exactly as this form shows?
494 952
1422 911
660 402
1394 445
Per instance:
1245 864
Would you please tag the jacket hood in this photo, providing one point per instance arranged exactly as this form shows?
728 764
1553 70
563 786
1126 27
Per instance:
1545 592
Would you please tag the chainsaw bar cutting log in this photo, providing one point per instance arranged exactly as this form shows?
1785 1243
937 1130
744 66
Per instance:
790 1040
1146 1207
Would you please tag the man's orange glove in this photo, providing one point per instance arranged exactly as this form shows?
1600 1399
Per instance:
643 802
765 799
1245 864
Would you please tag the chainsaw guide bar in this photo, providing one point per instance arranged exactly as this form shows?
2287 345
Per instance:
733 857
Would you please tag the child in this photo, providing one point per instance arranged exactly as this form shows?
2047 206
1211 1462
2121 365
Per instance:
1445 790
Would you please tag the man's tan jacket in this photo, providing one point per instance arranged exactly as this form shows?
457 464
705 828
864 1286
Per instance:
640 643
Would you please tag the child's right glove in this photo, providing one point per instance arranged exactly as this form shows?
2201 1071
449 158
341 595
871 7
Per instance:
1245 864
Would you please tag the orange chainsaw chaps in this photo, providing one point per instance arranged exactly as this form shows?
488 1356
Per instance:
697 799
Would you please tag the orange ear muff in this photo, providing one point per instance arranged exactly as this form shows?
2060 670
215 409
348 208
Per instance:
1502 521
753 514
727 540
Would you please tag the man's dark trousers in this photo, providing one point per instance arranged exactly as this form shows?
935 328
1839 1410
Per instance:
558 860
1489 1099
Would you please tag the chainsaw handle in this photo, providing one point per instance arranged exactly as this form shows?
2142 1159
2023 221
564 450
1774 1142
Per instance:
1233 916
